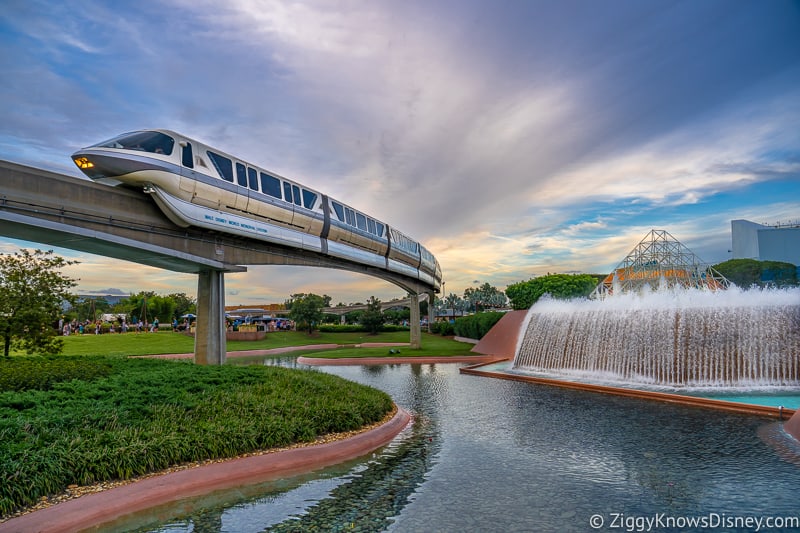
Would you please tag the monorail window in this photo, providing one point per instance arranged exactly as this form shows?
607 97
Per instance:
271 185
252 178
223 165
186 156
379 228
339 209
361 221
401 241
241 174
371 226
350 216
154 142
287 191
296 193
309 199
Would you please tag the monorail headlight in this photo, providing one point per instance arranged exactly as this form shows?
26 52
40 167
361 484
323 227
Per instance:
83 163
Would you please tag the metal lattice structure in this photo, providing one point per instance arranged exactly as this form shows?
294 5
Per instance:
659 261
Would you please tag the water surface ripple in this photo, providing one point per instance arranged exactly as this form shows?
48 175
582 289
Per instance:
496 455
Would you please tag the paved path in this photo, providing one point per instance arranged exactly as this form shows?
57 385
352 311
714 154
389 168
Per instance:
278 351
411 360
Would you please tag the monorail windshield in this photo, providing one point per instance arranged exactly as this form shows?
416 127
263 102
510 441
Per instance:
146 141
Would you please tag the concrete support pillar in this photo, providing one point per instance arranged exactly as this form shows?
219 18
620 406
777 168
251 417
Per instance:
431 310
209 337
416 333
342 320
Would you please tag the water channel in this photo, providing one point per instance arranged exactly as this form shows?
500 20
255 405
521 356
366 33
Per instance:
495 455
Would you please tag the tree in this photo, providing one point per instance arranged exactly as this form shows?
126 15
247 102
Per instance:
563 286
397 315
373 318
748 272
353 317
89 308
326 301
32 292
147 306
484 296
183 304
306 310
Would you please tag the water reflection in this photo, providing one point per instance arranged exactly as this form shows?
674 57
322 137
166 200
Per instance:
488 454
369 500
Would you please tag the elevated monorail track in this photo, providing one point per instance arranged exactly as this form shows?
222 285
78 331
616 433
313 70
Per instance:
75 213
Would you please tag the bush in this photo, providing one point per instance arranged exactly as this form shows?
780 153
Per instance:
41 373
356 328
341 328
147 415
446 329
394 327
560 286
477 325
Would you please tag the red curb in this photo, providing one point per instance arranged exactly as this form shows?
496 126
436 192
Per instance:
780 413
411 360
93 510
501 340
792 427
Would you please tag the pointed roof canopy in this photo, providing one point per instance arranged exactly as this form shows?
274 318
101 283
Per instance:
659 261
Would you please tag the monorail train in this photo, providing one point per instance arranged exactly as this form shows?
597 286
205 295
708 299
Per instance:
197 185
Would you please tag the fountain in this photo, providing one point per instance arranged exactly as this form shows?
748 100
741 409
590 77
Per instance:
663 318
682 338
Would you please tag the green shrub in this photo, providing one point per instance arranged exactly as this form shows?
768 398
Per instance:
560 286
446 329
357 328
341 328
146 415
394 327
477 325
27 373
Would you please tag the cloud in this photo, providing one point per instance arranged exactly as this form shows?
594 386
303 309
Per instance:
511 139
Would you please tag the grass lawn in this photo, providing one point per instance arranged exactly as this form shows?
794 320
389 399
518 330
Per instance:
119 344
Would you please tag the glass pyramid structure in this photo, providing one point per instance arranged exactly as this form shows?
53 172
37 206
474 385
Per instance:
659 261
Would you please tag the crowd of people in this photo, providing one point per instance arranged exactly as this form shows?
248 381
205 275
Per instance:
99 326
120 324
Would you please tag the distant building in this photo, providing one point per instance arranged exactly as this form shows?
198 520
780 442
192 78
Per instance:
780 242
449 315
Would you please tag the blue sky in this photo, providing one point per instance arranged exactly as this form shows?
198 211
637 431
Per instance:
513 139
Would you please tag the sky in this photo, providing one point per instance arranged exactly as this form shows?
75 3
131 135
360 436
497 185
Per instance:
512 138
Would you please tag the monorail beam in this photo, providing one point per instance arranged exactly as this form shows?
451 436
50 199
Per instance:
209 337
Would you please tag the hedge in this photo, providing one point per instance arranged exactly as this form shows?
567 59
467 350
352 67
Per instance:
355 328
477 325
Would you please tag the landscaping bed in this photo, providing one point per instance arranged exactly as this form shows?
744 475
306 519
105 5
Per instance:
129 417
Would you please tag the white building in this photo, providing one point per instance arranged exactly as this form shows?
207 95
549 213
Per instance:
780 242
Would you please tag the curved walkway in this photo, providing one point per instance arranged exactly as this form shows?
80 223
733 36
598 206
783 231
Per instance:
419 360
278 351
319 361
93 510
